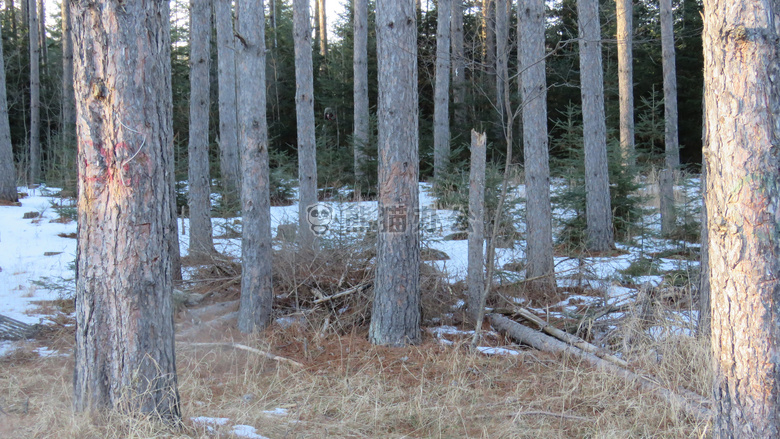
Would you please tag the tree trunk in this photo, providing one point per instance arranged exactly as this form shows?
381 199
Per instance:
533 92
68 115
502 60
42 33
25 15
304 111
476 255
441 100
395 319
8 190
625 37
742 104
360 86
489 36
598 210
323 29
35 96
666 200
458 65
124 353
256 286
670 86
230 166
201 242
704 281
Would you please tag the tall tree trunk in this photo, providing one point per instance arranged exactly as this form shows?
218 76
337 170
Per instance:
489 36
704 264
35 96
598 210
304 111
533 91
323 29
476 251
68 112
670 86
42 33
8 190
395 319
625 45
458 65
360 86
25 4
742 104
502 59
201 242
124 354
230 166
441 100
256 287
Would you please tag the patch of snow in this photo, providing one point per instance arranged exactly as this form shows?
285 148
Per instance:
279 411
246 431
487 350
205 420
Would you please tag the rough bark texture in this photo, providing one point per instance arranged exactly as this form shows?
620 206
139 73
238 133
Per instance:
360 85
666 200
201 242
458 64
704 281
68 122
256 286
625 44
533 91
304 111
395 319
441 100
8 190
322 28
742 101
670 86
598 210
230 165
124 353
35 96
476 256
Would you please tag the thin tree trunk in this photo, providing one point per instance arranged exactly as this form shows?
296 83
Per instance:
441 100
742 104
323 29
502 58
533 91
666 200
25 4
124 353
201 242
476 252
360 86
35 96
395 319
42 33
598 210
230 166
670 86
458 65
489 36
254 312
68 122
625 44
304 111
8 190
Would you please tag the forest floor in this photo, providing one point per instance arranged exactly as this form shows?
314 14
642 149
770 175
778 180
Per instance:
327 380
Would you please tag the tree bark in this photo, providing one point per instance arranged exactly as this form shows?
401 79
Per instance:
124 353
704 264
201 242
502 60
304 111
323 29
360 86
42 33
598 210
35 96
476 252
68 115
441 100
254 312
533 92
8 190
395 319
230 166
666 200
670 86
742 104
625 44
458 65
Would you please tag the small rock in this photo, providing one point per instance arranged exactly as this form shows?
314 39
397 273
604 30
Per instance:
31 215
52 253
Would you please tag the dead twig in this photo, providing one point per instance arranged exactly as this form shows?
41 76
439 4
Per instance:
248 349
355 289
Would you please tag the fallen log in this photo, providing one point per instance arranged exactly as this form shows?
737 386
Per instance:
355 289
543 342
11 329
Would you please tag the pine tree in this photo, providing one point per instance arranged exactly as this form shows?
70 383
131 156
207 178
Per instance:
441 118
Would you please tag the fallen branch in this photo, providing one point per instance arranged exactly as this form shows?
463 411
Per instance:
248 349
355 289
542 342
